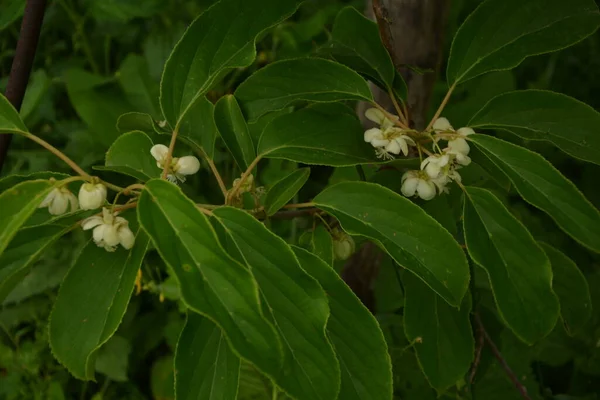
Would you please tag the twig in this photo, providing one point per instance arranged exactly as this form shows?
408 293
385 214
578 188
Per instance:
441 107
399 110
361 173
167 166
299 205
57 153
390 116
295 213
215 171
383 22
509 372
480 343
245 175
22 62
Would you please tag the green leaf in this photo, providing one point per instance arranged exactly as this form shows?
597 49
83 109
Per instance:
543 186
91 303
141 91
206 51
414 239
234 131
321 244
10 121
500 34
198 127
10 11
519 272
572 290
212 283
137 121
297 304
22 252
356 43
18 203
37 87
286 82
285 189
206 368
11 180
355 334
569 124
130 155
321 134
113 359
441 334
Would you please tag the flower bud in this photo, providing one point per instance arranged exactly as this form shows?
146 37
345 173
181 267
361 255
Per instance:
187 165
92 196
343 247
58 201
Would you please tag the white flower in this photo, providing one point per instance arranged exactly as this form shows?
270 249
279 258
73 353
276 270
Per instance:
92 196
380 118
109 230
442 125
179 167
343 247
58 201
416 183
387 139
433 165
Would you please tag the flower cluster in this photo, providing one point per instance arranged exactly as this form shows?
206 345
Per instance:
179 167
438 170
109 230
388 140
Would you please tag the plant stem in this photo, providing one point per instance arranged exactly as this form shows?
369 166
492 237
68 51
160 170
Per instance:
125 207
397 107
57 153
300 205
390 116
441 107
170 153
215 171
243 178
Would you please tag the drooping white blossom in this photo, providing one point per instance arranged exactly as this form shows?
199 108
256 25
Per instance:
343 246
418 183
58 201
387 139
109 230
179 168
433 164
92 196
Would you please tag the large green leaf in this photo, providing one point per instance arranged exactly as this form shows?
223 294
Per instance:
10 121
441 334
306 79
298 306
543 186
130 155
207 50
355 334
414 239
234 131
22 252
569 124
519 272
322 134
285 189
198 126
212 283
18 203
355 42
500 34
141 91
206 367
572 290
91 303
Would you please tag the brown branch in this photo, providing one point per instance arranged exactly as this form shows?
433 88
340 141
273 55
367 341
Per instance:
295 213
478 351
509 372
22 62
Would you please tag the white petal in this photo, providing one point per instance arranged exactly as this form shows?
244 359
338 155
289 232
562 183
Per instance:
409 187
380 142
126 237
465 131
403 145
463 159
410 174
110 236
49 198
408 140
442 124
59 205
91 222
159 152
375 115
393 147
92 196
459 145
73 202
372 134
98 234
433 170
187 165
426 189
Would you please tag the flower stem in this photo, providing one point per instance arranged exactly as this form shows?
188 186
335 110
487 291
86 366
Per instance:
214 170
243 178
397 107
57 153
299 205
441 107
390 116
170 152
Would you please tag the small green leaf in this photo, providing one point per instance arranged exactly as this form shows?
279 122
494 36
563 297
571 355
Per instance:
234 131
130 155
18 203
91 303
543 186
212 283
10 121
297 304
206 50
38 86
141 91
355 334
206 367
540 115
286 82
285 189
441 334
519 272
572 290
414 239
356 43
321 134
22 252
500 34
321 244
